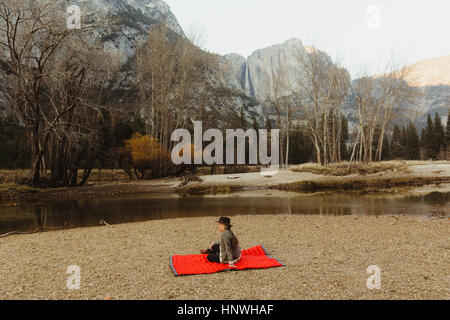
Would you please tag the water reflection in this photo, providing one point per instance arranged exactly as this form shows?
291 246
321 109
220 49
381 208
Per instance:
82 213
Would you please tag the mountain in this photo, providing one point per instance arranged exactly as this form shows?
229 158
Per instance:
432 78
249 80
126 23
255 75
429 73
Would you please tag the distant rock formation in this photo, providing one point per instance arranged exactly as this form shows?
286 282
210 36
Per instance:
254 75
431 72
129 21
432 78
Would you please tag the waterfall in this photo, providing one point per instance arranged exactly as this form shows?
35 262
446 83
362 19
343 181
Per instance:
248 88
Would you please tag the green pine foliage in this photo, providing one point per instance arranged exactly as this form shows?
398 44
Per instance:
439 133
434 138
405 143
447 134
411 143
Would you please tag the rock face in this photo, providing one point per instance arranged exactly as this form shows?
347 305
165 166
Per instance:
432 78
128 21
435 99
429 73
126 24
255 75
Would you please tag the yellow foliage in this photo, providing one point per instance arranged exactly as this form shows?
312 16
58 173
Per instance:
144 150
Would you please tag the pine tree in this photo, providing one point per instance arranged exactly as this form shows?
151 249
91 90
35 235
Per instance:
422 142
428 140
439 134
396 143
403 143
345 154
447 140
412 144
301 146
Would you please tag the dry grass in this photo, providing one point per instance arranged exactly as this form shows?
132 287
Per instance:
16 188
97 177
199 190
15 176
360 184
206 170
345 168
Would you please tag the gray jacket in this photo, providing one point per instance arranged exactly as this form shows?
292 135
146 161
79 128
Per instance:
230 251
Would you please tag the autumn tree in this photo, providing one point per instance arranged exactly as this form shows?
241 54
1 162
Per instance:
146 153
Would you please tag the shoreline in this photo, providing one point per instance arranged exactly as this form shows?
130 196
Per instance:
288 180
325 257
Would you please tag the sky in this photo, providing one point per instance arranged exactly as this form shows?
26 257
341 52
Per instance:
363 35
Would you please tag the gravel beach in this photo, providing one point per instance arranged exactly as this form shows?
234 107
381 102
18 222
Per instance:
326 257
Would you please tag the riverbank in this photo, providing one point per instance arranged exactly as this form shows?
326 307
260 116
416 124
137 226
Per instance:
412 174
306 178
326 257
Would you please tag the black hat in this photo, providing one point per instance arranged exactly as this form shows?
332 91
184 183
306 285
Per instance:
224 220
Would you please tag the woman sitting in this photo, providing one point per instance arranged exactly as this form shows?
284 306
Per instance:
227 249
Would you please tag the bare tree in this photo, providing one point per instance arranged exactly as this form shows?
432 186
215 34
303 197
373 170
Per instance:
56 79
31 34
378 101
321 89
79 81
172 76
278 104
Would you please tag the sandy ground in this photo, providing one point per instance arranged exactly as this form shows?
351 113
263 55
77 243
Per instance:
433 169
326 257
286 176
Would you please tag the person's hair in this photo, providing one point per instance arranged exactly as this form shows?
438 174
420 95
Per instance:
234 240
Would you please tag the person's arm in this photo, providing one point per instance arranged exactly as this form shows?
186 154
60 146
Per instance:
214 243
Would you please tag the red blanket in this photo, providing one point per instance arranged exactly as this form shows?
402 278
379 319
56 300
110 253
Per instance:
253 258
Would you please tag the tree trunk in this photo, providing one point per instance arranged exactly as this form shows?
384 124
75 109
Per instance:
35 157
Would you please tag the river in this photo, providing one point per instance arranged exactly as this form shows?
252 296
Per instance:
25 217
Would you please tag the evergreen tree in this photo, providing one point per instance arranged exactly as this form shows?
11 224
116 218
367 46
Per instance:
396 143
447 140
345 153
439 134
429 141
412 143
403 143
300 146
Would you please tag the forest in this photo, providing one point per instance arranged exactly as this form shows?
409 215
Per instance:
62 87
